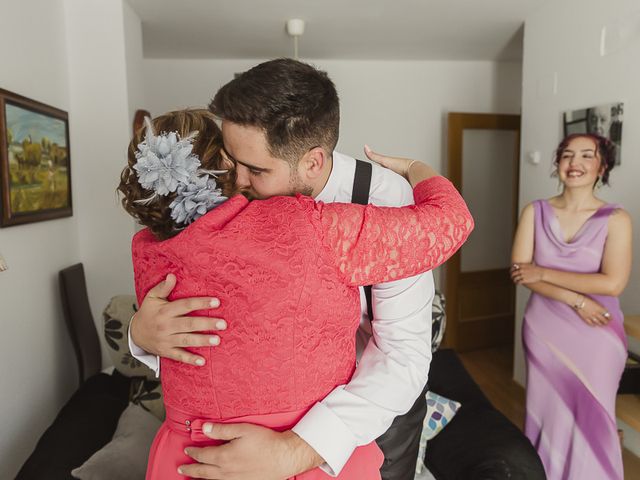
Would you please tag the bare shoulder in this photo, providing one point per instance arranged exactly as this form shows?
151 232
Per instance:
528 212
620 219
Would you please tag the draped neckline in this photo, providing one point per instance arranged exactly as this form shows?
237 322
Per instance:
557 228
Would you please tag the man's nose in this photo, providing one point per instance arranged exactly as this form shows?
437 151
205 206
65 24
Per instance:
242 177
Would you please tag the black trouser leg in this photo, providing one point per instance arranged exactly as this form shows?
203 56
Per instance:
400 443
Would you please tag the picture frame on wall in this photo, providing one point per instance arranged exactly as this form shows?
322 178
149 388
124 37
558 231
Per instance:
35 161
604 120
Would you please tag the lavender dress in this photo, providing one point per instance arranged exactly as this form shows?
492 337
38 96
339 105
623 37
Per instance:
573 369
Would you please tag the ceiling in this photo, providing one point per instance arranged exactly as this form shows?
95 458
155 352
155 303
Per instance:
336 29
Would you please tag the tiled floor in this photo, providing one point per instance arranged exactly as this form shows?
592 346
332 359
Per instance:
492 370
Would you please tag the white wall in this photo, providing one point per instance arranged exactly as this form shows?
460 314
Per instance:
397 107
38 367
57 52
100 123
134 58
562 39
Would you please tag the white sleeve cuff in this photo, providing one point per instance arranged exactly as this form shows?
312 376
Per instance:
335 448
151 361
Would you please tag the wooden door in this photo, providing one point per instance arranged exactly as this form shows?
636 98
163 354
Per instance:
483 153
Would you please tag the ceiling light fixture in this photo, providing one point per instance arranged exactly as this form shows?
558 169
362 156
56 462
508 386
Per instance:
295 29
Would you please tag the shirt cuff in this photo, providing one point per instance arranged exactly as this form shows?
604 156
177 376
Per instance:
334 449
151 361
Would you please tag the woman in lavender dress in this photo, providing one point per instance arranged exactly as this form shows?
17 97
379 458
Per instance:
573 252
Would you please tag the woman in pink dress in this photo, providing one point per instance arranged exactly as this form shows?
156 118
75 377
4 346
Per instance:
573 252
286 271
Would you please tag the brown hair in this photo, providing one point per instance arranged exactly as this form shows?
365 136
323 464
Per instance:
605 149
207 145
293 103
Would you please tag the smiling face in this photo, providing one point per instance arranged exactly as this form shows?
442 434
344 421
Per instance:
579 163
259 173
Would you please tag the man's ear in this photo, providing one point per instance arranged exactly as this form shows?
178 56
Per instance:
312 164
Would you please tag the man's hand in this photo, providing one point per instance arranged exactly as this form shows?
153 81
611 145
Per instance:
252 453
160 327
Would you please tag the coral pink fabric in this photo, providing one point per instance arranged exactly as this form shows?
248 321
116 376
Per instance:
286 271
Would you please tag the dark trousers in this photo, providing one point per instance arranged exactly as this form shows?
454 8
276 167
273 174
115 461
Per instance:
400 443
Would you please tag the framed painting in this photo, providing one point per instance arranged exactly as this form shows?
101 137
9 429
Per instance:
35 165
604 120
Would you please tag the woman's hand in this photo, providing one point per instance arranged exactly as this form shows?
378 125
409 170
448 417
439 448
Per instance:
524 273
395 164
592 313
413 170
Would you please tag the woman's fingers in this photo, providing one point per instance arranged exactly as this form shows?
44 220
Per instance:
395 164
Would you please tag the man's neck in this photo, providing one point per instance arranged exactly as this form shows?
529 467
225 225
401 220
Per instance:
322 180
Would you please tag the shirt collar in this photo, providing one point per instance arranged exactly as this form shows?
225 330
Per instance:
339 170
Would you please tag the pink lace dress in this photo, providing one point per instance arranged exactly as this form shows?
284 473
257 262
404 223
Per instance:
286 271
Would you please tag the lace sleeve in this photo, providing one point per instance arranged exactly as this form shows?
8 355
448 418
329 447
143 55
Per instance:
380 244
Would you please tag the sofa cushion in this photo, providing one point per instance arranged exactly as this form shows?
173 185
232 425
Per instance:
117 316
125 457
440 412
480 442
145 387
148 395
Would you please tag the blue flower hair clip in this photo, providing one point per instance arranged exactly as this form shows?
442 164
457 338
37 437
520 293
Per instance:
165 161
165 164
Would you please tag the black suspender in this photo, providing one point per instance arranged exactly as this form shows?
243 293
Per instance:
360 195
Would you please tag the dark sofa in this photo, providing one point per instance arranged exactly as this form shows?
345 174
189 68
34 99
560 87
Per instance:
480 443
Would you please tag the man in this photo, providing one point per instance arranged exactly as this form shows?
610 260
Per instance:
280 125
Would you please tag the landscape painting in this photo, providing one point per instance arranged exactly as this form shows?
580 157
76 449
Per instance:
35 161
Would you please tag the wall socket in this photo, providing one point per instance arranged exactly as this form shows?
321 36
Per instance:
3 264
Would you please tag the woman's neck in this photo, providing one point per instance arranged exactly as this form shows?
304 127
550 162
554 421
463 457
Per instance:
580 198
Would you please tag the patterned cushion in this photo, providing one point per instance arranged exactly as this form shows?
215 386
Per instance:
145 389
440 411
439 321
116 325
148 395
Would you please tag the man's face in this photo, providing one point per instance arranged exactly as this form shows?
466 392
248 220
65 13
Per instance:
259 174
600 120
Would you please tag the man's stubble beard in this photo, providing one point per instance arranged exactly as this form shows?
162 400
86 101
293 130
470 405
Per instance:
298 186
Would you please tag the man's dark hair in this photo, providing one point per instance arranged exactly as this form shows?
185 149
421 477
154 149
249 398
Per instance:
295 105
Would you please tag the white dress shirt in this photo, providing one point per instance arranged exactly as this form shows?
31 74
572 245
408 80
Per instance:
394 349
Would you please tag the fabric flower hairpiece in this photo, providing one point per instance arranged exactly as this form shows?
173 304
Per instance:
165 164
